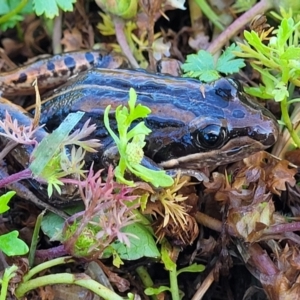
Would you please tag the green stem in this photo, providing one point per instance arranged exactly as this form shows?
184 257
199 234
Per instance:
174 284
15 11
210 14
4 287
35 238
146 279
288 123
65 278
9 273
48 264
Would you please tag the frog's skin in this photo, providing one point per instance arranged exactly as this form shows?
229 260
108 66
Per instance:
193 124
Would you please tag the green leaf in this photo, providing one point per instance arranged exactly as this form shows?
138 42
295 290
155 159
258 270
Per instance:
52 224
200 65
141 111
142 245
166 249
66 5
259 92
140 128
194 268
253 39
280 92
209 76
130 144
285 30
27 9
132 101
291 53
52 143
51 7
11 245
55 183
4 7
4 199
107 126
156 291
12 11
157 178
227 63
122 118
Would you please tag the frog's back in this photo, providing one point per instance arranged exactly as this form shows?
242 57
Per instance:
167 96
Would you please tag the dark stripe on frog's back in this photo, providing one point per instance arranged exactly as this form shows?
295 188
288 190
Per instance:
166 96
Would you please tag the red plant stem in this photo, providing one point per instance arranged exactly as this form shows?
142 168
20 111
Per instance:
25 174
283 228
56 34
51 253
212 223
121 38
238 24
261 261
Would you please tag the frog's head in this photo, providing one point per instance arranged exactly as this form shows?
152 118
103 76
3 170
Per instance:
231 127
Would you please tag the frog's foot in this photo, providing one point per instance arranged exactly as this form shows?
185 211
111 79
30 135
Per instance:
110 156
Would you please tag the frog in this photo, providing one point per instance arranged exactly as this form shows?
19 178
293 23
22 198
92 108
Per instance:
193 124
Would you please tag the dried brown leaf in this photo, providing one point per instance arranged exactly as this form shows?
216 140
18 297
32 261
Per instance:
280 176
226 192
293 156
72 40
177 235
249 222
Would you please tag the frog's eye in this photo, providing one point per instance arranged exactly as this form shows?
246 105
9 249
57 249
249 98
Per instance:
210 137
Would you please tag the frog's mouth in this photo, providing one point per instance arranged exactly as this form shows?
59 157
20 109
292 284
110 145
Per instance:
234 150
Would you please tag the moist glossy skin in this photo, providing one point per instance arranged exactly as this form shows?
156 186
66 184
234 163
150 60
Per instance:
184 112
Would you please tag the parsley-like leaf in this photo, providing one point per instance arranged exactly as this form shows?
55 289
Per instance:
203 67
227 63
51 7
200 65
130 143
12 12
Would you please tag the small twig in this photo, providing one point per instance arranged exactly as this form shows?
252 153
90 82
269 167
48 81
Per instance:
121 38
204 286
8 61
7 149
238 24
212 223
